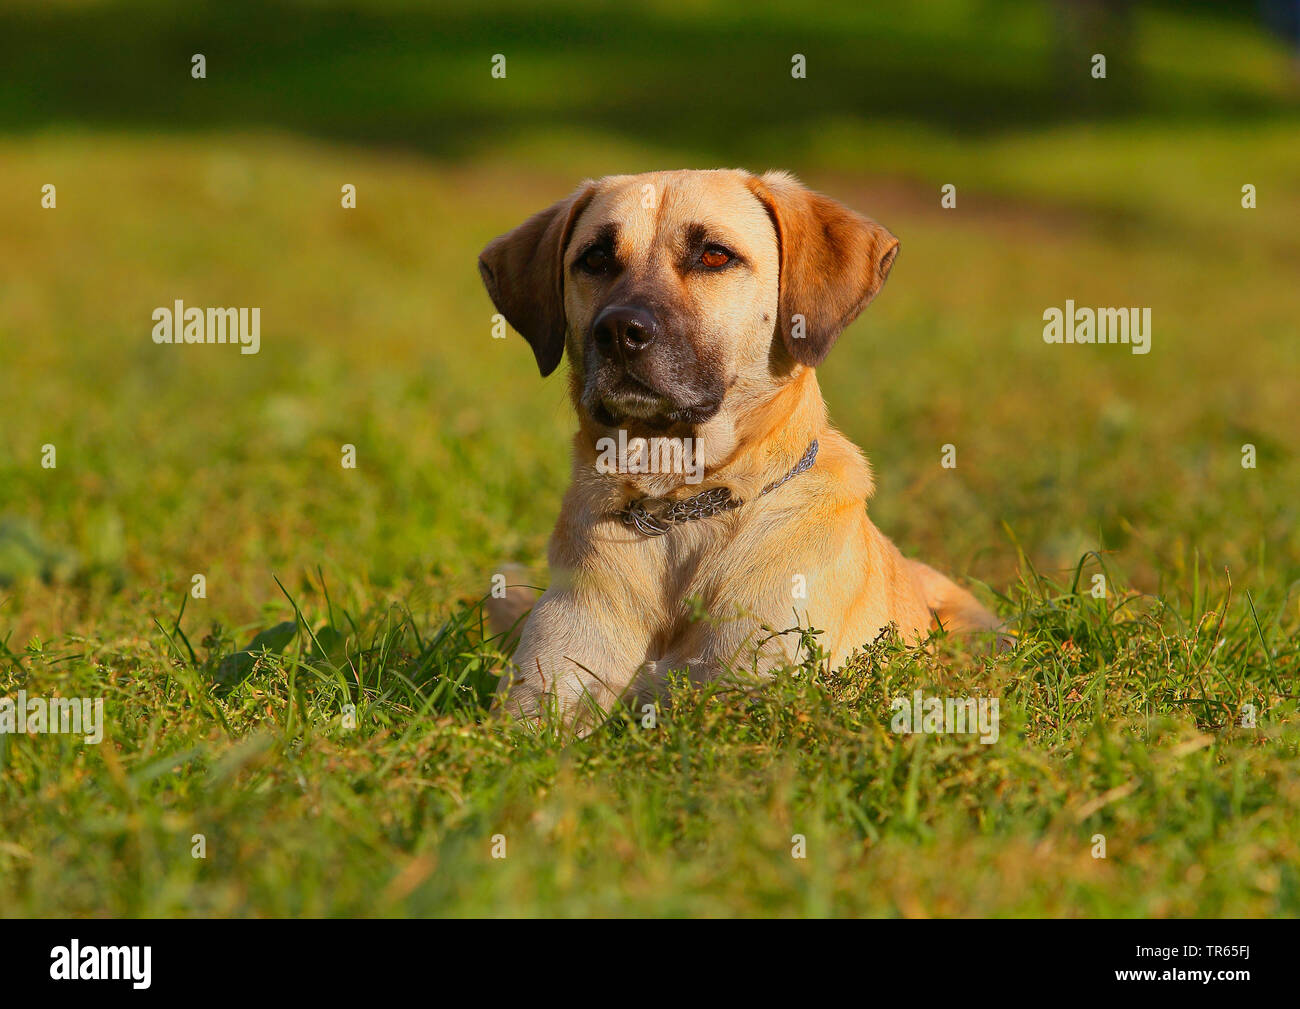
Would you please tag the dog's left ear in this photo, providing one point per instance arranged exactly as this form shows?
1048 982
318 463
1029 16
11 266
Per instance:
523 271
833 262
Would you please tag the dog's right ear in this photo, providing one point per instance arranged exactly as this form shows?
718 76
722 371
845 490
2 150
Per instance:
523 272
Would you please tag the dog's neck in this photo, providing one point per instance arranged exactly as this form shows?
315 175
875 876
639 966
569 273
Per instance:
743 452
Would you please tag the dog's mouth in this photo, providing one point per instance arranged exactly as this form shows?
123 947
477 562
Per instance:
629 399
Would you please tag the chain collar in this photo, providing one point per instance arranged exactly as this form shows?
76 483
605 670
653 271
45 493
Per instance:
654 516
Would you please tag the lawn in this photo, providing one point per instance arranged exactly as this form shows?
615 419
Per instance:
1126 714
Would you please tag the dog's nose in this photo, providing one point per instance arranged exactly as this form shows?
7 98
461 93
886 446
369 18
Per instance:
624 331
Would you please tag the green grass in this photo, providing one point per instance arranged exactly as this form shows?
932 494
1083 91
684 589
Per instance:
1116 720
1120 716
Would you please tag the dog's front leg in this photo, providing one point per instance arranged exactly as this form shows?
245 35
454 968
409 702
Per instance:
576 659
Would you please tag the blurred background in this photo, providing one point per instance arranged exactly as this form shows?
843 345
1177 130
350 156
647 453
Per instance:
1122 191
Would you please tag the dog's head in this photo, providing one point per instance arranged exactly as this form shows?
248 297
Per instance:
682 295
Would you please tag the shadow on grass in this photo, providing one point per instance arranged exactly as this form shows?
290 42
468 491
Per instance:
713 79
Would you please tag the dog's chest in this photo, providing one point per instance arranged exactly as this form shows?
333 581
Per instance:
713 602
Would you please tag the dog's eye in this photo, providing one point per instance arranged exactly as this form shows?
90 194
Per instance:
596 259
713 257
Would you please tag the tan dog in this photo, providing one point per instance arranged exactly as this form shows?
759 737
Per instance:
695 305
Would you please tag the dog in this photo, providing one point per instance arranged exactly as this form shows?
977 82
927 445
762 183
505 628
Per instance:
696 306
